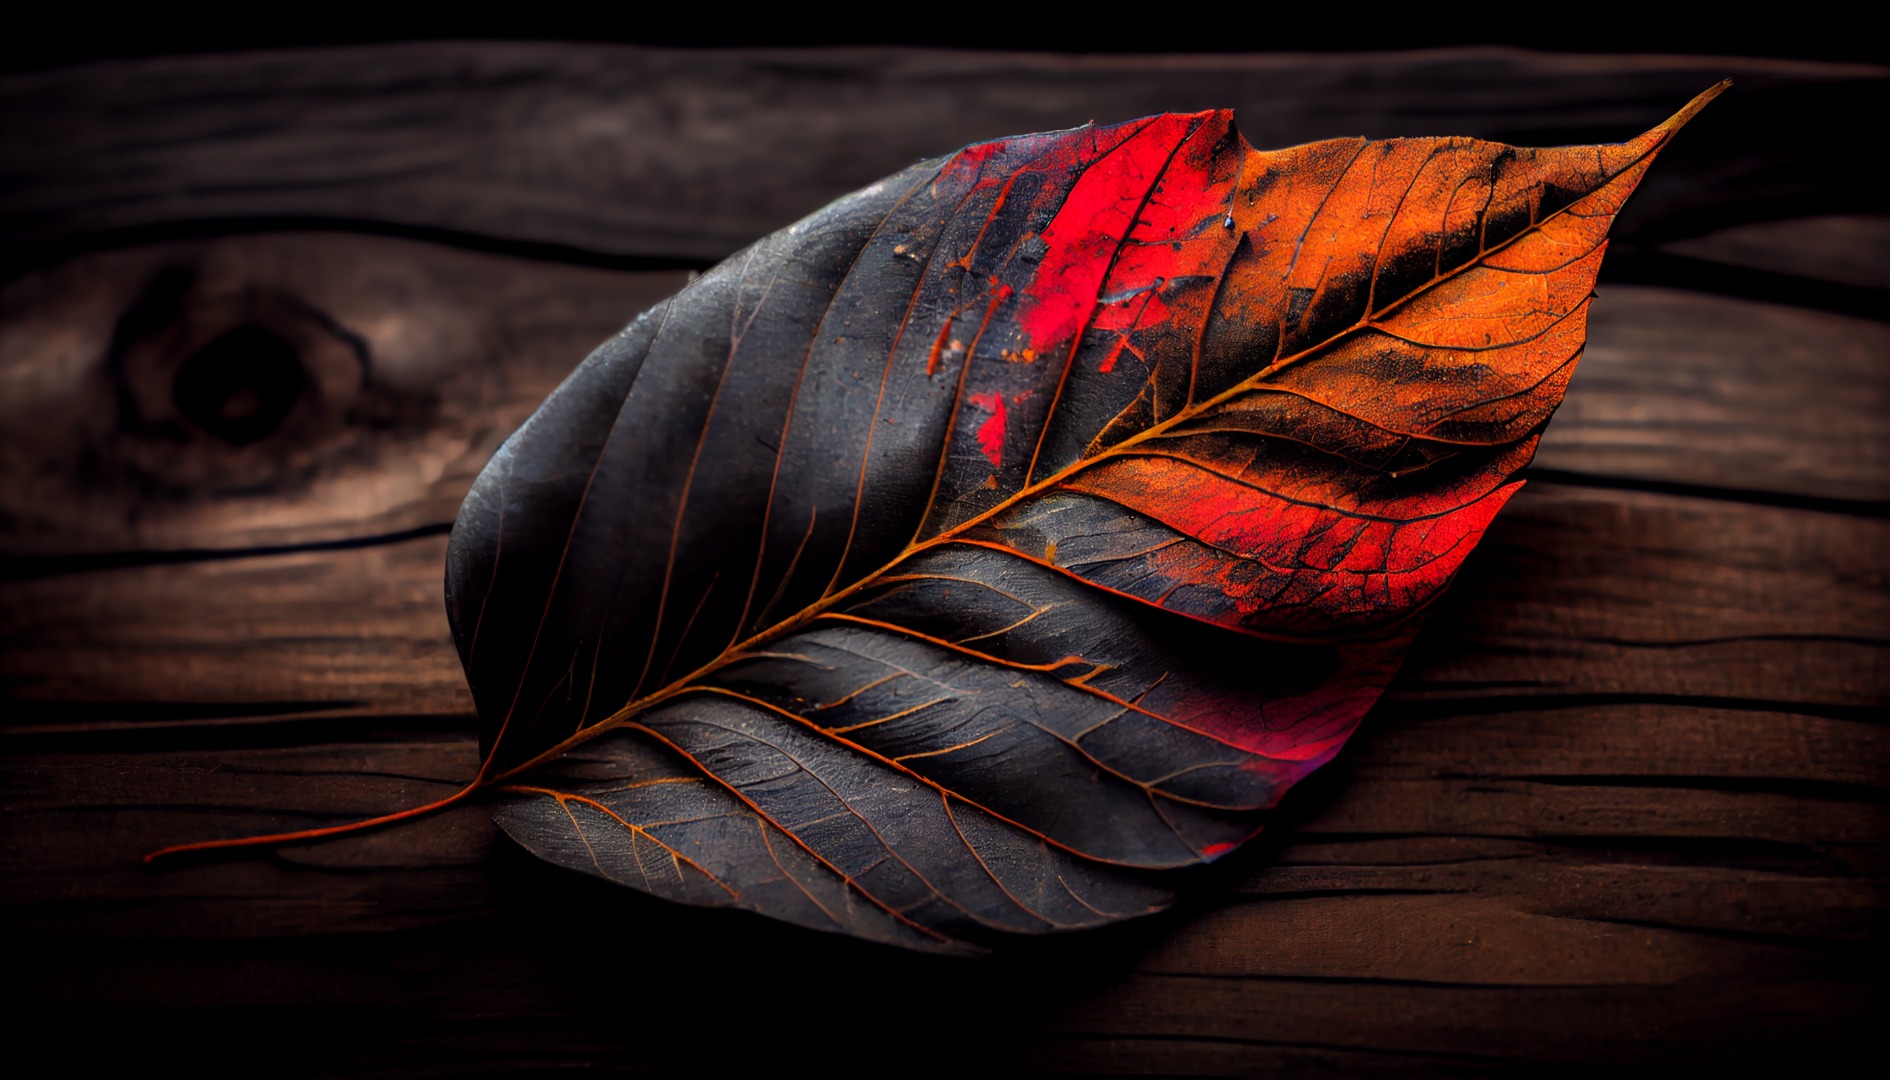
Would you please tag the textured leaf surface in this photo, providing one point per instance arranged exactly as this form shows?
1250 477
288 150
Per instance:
958 559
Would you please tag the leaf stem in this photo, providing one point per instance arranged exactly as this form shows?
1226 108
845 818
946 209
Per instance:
304 835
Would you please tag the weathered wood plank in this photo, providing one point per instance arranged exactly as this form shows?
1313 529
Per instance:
1631 886
1520 808
1575 591
81 823
1349 900
1355 946
1850 249
1585 591
1626 807
1613 739
1698 1019
344 632
694 153
1468 938
457 347
1432 763
1685 387
409 363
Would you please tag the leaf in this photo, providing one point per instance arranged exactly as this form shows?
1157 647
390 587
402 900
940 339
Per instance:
960 559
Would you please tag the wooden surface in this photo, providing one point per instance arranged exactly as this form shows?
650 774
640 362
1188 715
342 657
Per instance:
1628 804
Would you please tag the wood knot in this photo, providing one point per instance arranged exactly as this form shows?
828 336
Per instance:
228 388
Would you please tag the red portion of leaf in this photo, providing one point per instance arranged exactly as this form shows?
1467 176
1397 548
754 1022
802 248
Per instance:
991 432
1289 561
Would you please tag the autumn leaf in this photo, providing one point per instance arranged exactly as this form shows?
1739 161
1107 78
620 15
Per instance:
964 559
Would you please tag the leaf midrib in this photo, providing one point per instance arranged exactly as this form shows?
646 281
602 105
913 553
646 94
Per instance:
828 602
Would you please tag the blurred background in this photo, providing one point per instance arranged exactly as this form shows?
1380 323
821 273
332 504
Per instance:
271 293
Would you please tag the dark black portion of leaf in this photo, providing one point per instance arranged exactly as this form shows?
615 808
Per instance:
627 518
526 500
1131 554
1095 776
829 449
1186 673
632 811
802 828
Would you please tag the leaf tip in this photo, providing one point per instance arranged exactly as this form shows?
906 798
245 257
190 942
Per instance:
1692 108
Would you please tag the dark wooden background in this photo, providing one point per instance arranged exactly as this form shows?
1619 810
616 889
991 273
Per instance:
1626 805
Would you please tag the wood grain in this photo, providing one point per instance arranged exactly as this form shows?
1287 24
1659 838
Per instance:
341 633
1692 388
1850 249
1628 805
440 354
460 346
694 153
1576 592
